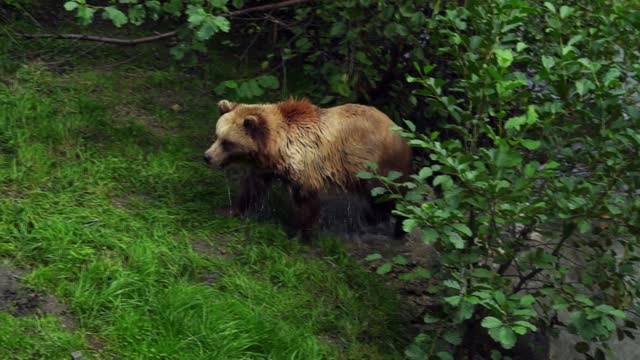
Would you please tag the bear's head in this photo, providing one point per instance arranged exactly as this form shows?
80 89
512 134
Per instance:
241 131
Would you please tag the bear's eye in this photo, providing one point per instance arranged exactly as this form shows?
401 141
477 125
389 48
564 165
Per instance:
227 145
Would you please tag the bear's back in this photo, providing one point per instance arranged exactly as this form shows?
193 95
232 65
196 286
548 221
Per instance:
359 134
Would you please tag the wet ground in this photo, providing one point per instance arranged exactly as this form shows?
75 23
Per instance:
343 215
20 300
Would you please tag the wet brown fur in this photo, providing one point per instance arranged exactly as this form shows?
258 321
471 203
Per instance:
313 149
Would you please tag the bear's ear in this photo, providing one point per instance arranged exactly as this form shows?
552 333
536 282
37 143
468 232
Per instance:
250 123
256 128
225 106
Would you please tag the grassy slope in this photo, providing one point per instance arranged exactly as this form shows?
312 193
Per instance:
105 202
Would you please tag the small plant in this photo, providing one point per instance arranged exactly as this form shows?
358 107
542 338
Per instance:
536 215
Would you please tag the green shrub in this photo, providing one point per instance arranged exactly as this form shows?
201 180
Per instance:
537 214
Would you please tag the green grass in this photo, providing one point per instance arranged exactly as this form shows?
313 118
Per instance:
106 203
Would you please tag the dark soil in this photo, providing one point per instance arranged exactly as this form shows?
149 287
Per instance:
22 301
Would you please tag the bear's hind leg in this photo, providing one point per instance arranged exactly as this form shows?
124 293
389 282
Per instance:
382 211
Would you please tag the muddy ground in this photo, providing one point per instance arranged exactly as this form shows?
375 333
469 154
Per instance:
20 300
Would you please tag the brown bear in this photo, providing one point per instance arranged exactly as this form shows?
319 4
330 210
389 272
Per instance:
311 149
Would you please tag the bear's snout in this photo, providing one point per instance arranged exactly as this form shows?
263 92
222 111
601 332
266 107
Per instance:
214 160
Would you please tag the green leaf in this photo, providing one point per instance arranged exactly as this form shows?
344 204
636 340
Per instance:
424 173
608 309
565 11
415 351
453 300
548 62
178 51
584 225
455 240
268 81
393 175
452 337
462 228
515 122
410 125
500 297
70 5
365 175
550 6
222 23
373 257
238 3
521 46
337 29
378 191
482 273
507 158
85 14
526 324
527 300
583 86
525 312
465 312
444 180
583 299
430 319
444 355
490 322
383 269
452 284
303 44
504 56
218 3
532 116
426 69
173 7
400 260
618 313
611 76
530 170
504 335
551 165
418 273
137 14
531 144
429 235
196 15
117 17
520 330
409 224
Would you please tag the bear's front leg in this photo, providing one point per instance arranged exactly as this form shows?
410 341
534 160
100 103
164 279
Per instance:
254 186
308 208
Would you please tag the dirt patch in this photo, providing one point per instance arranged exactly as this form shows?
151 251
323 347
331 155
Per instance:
22 301
129 201
205 248
126 114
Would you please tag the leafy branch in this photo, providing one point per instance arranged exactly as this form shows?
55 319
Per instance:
162 36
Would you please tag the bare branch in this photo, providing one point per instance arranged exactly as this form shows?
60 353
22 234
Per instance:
170 34
102 39
267 7
567 234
